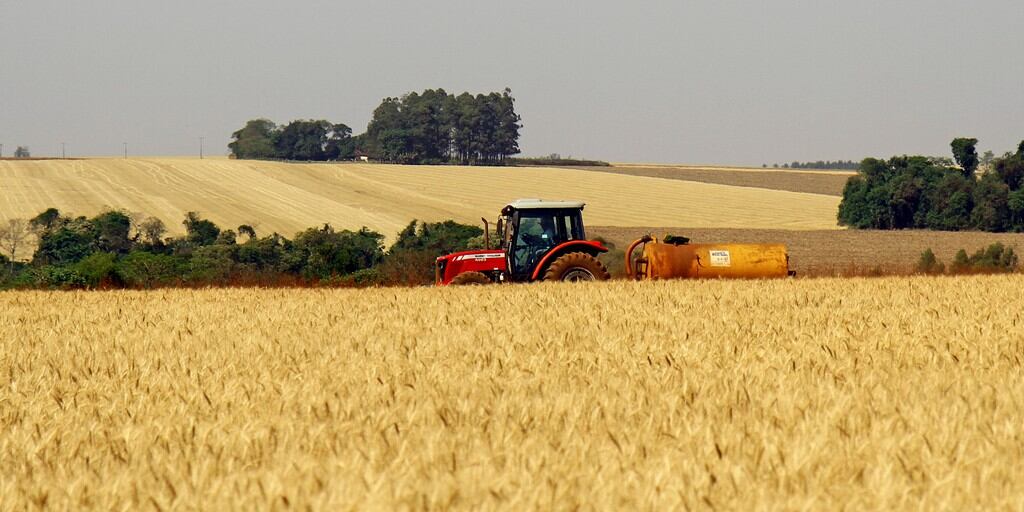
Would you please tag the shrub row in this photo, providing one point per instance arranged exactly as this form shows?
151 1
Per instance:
993 259
111 250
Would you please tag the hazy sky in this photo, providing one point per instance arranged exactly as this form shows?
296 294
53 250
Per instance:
711 81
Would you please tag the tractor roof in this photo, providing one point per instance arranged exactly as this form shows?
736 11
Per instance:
537 204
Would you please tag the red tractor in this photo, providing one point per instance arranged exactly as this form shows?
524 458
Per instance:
540 241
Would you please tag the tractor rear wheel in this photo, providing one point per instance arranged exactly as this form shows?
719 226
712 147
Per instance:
577 266
470 278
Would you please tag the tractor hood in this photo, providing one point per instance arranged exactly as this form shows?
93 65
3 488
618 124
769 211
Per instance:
492 263
477 255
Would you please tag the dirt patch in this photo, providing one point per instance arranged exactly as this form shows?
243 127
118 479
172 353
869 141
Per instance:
827 183
830 253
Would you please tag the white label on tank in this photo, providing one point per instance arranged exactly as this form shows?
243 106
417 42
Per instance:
720 259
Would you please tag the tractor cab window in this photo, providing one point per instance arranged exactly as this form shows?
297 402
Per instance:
537 232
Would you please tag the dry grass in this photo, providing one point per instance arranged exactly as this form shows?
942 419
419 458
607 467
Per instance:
812 182
836 252
793 394
289 197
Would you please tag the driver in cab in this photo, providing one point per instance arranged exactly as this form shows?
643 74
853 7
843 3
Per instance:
536 237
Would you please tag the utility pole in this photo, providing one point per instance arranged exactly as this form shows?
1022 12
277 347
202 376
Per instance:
125 150
200 148
63 153
1 150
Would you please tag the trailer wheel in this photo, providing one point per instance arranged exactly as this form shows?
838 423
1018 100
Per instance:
470 278
577 266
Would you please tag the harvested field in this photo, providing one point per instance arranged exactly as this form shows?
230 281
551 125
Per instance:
813 182
836 252
287 198
734 168
881 394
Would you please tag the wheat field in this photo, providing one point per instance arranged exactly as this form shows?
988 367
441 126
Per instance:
895 393
287 198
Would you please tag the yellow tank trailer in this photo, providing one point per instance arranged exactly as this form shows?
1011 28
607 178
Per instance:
676 258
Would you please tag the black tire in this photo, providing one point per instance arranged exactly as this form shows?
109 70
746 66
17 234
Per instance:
577 266
470 278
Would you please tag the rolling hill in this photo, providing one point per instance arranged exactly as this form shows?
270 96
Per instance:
288 197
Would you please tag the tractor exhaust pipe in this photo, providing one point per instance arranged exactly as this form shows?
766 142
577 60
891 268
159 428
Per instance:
487 234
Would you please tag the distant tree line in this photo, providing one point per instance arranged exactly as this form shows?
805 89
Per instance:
305 140
431 127
819 165
556 160
115 250
930 193
21 152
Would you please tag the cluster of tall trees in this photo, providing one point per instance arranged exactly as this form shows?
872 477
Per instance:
922 192
418 128
113 249
307 140
436 127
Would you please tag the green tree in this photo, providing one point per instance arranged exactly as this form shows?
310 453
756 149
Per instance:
387 135
929 264
46 221
410 260
853 207
324 253
339 145
465 132
255 140
213 263
263 254
425 117
961 262
247 230
65 245
303 140
1010 170
952 203
22 152
991 204
1015 206
51 276
439 238
97 268
111 230
966 155
146 270
199 231
996 257
509 124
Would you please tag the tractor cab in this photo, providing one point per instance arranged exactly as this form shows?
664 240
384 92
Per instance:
538 240
529 229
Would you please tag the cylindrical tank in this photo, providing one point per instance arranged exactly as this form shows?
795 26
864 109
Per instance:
737 261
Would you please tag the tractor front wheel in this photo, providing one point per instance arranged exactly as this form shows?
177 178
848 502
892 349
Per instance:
577 266
470 278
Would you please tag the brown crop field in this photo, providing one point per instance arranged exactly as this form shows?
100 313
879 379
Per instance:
287 198
836 252
813 182
828 394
